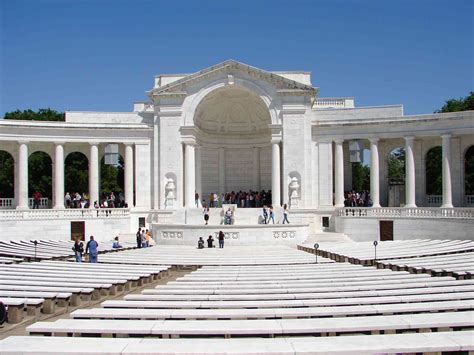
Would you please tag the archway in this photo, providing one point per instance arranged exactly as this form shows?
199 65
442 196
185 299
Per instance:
7 180
76 178
396 177
234 135
469 175
112 183
40 180
434 176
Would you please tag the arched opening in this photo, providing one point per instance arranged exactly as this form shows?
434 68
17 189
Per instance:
434 176
76 180
7 180
112 183
469 175
396 177
40 178
235 153
359 193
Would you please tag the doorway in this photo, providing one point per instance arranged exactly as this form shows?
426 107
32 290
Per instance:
78 230
386 230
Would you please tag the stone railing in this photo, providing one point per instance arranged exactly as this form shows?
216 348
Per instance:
7 203
70 213
434 200
401 212
333 102
43 203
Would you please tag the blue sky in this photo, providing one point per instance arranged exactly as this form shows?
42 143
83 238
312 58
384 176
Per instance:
102 55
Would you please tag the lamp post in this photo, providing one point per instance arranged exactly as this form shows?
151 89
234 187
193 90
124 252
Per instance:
316 246
35 243
375 250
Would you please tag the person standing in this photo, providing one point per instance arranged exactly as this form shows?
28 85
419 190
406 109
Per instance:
196 199
143 238
285 214
78 249
210 242
36 199
92 247
148 238
265 214
271 216
139 238
205 212
221 239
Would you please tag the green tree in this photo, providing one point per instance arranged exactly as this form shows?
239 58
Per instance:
469 171
434 168
43 114
396 165
76 173
6 175
360 177
461 104
111 177
40 174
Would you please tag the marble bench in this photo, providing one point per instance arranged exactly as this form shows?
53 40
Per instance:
17 305
387 343
261 313
269 327
51 299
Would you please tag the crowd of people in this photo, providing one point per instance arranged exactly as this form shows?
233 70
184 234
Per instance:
243 199
357 199
107 200
143 238
210 241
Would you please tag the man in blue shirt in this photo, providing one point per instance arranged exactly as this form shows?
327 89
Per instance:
92 246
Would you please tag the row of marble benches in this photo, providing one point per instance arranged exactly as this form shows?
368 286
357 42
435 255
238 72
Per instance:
460 341
256 302
364 252
20 250
44 286
460 266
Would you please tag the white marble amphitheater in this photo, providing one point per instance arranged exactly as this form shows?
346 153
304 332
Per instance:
319 285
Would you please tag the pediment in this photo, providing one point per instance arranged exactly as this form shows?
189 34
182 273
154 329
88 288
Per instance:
283 85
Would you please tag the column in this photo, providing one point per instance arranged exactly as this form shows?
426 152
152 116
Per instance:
409 173
374 172
198 152
189 175
58 176
94 174
221 168
447 191
22 180
339 174
128 174
256 169
276 199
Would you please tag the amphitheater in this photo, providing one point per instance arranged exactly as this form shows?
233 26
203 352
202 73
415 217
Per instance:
395 276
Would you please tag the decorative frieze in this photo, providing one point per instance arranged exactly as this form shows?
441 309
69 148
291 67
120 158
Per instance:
284 234
172 235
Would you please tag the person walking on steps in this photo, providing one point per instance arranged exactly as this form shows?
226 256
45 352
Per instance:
272 216
221 239
91 247
285 214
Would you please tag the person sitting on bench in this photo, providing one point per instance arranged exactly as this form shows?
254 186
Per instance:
200 243
210 242
228 217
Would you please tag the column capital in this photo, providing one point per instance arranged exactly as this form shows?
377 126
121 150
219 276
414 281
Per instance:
446 136
276 140
339 141
23 141
92 144
374 140
129 144
59 143
409 138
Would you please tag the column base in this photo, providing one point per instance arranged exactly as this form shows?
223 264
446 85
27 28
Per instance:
447 205
22 208
410 206
59 207
376 205
339 205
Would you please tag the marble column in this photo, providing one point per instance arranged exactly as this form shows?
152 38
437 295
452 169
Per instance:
221 167
94 174
276 199
374 172
128 174
339 174
22 202
189 175
410 191
447 190
256 169
59 176
198 152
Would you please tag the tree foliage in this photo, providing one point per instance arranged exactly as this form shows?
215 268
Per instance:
40 169
461 104
76 173
396 165
469 171
360 177
111 177
43 114
434 178
6 175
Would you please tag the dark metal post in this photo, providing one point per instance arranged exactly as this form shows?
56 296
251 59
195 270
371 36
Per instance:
375 251
35 243
316 246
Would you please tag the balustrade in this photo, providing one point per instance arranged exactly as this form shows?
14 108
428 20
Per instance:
434 200
469 200
400 212
70 213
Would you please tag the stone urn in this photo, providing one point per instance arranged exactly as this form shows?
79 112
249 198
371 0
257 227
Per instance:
170 188
294 186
